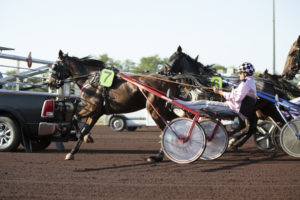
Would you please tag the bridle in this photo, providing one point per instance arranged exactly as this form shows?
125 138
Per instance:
295 54
59 74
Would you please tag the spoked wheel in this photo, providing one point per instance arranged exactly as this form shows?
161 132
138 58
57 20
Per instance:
275 137
262 138
216 144
173 145
290 138
10 136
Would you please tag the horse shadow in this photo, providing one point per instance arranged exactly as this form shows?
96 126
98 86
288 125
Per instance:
151 164
248 158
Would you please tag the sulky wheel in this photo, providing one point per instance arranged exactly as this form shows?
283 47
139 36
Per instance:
183 152
216 144
262 138
275 137
290 138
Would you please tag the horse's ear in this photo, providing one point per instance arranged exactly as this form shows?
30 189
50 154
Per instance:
196 59
179 49
298 41
60 54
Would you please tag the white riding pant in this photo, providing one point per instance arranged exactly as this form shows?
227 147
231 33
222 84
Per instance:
214 106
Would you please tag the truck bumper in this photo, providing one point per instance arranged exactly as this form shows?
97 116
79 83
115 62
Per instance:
46 129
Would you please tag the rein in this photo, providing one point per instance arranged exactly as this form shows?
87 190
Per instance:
79 77
174 82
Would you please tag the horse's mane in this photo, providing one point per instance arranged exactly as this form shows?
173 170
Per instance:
202 69
90 62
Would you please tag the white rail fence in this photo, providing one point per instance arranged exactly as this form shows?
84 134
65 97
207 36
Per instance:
23 73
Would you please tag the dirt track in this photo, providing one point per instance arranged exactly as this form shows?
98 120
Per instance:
114 167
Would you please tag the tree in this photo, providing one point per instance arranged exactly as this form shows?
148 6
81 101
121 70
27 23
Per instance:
128 65
110 61
219 67
149 64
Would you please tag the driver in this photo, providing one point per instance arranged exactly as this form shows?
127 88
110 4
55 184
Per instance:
234 99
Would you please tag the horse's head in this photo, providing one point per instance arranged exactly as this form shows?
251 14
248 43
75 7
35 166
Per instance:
172 64
268 76
60 71
79 68
182 63
179 63
292 64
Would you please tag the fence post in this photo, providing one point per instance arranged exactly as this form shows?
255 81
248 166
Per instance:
49 65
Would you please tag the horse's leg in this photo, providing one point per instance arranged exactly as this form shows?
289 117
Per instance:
84 131
87 138
245 133
252 129
160 124
86 111
236 136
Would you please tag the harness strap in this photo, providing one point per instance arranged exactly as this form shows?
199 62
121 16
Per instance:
106 101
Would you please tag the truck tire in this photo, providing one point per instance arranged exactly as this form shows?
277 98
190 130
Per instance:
10 136
117 123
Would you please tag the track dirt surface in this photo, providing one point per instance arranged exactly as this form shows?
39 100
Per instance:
114 167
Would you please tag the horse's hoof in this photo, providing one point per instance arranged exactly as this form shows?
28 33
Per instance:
88 139
69 156
231 142
155 159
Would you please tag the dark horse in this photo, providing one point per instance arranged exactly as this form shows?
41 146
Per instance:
292 64
180 62
121 97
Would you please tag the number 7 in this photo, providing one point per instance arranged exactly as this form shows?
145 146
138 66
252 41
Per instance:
108 75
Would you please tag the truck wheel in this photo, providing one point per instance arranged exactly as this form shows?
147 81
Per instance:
10 136
131 128
117 123
39 144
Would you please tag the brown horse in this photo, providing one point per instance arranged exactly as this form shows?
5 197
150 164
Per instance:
121 97
281 84
292 64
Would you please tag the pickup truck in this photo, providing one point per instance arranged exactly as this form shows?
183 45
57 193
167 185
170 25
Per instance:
34 119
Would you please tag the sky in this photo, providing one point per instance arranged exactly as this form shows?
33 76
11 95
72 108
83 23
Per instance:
225 32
